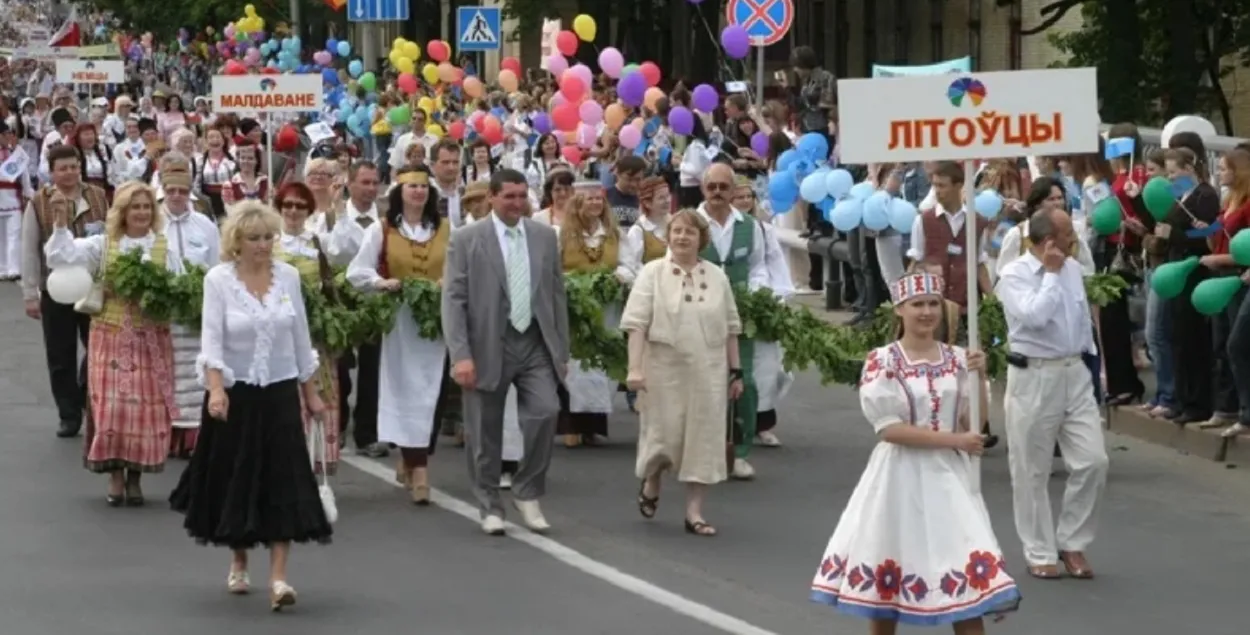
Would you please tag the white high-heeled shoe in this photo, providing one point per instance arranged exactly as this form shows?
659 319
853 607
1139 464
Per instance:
280 595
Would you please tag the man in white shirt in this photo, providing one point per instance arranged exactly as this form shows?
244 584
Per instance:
418 134
1050 398
445 164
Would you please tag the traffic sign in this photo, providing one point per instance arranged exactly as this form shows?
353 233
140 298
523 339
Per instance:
766 20
480 28
378 10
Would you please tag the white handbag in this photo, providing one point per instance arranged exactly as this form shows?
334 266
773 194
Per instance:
317 451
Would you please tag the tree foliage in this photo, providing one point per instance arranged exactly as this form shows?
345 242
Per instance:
164 17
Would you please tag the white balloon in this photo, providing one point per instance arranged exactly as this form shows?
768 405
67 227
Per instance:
1187 123
68 285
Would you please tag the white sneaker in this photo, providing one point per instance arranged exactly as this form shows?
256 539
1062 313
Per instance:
742 470
1236 430
767 439
492 525
505 481
532 515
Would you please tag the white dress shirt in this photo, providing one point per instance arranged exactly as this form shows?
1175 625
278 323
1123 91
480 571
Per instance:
635 242
1048 315
252 340
399 151
342 242
956 222
1011 250
723 238
501 234
193 237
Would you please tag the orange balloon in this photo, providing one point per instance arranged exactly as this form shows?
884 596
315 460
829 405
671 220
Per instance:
473 87
652 95
614 116
639 123
508 81
447 72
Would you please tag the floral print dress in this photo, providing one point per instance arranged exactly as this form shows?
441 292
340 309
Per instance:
914 543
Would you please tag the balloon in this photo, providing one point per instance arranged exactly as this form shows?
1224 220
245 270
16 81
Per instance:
783 187
862 191
355 68
639 123
1157 195
583 72
565 117
629 69
429 73
556 64
368 81
438 51
510 64
407 83
902 215
759 143
399 115
68 285
1169 278
681 120
652 97
566 43
837 182
1239 248
735 41
1212 296
411 51
585 28
812 189
287 139
630 137
846 214
650 71
988 203
447 73
435 130
426 105
473 87
705 99
572 86
591 113
329 76
787 159
586 136
456 130
542 123
571 154
1106 217
405 65
813 146
876 214
508 80
632 89
477 121
323 58
611 62
343 48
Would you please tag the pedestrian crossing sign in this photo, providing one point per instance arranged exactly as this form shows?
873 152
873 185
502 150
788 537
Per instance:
480 28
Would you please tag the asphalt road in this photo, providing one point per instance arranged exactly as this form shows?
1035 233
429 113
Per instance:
1172 555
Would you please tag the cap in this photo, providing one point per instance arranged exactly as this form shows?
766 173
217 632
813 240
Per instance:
914 285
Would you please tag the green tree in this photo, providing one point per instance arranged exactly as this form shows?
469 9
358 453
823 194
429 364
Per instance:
164 17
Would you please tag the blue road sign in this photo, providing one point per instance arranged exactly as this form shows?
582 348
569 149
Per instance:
767 19
479 28
378 10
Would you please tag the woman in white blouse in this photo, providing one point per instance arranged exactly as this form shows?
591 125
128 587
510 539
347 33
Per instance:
557 192
251 481
647 239
96 159
541 160
410 243
216 169
129 358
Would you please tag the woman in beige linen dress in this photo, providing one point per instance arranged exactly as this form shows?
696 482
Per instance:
683 359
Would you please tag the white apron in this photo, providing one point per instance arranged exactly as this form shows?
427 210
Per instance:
188 393
772 382
591 391
410 377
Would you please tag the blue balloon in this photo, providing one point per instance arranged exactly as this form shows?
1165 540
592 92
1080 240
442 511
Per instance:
826 205
296 44
344 48
862 191
787 159
876 216
902 215
803 168
812 188
839 183
330 77
988 203
847 214
813 146
780 206
332 44
782 186
355 68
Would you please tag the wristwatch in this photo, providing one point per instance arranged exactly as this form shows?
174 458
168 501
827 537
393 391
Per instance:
735 374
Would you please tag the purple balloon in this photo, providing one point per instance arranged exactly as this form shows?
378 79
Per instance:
704 98
681 120
759 143
631 89
542 123
735 41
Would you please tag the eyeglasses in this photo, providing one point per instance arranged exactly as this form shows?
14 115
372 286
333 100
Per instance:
718 187
292 204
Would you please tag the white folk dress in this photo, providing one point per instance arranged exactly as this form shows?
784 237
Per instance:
914 543
192 238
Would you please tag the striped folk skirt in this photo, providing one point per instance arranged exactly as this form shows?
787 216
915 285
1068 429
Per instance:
130 384
328 380
188 393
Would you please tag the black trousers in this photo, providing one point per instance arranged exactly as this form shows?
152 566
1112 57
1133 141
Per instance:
1192 360
368 361
63 328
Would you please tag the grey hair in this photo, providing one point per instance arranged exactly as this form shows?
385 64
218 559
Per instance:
1042 225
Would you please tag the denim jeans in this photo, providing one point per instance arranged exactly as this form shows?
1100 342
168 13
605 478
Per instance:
1159 342
1239 351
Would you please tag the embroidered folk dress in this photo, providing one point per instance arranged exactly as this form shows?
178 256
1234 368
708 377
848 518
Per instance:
914 543
130 361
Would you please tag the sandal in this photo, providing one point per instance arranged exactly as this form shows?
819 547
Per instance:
700 528
647 505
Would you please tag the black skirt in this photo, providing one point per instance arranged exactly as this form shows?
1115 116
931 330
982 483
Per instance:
250 481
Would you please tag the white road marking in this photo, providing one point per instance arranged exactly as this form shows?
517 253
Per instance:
576 559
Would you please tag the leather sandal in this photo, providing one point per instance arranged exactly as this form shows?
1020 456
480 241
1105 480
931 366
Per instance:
647 506
700 528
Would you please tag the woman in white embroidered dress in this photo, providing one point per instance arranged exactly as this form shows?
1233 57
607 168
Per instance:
217 168
647 239
914 544
250 481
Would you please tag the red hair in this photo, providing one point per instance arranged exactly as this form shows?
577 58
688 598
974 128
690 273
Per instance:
81 128
297 190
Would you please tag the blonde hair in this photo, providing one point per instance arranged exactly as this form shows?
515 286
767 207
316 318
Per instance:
247 217
322 163
115 220
179 135
573 228
693 217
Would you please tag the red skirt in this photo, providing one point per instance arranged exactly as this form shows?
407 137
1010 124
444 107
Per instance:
130 383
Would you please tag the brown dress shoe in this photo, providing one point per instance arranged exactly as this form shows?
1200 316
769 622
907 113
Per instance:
1075 563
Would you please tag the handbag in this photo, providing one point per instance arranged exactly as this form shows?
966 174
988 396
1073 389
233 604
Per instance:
318 452
93 303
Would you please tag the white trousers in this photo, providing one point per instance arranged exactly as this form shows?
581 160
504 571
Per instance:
11 243
1053 401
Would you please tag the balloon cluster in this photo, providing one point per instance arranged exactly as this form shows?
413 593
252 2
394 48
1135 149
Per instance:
1211 296
249 23
404 56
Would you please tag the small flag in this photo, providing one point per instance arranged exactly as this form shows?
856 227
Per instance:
1205 232
1119 147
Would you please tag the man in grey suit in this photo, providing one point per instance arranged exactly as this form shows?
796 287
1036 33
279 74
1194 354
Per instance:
505 321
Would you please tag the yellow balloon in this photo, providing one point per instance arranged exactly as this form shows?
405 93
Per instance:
249 10
429 73
398 43
426 104
585 28
394 58
412 51
435 130
405 65
508 80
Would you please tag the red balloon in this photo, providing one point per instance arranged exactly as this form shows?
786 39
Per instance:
512 64
651 73
565 117
234 67
438 50
566 43
493 136
479 124
490 125
571 154
269 70
287 139
456 130
572 87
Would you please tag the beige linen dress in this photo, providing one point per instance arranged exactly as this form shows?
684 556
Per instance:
688 320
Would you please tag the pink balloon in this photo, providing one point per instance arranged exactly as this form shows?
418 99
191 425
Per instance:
591 113
557 99
322 58
473 118
586 136
630 137
556 64
583 71
611 62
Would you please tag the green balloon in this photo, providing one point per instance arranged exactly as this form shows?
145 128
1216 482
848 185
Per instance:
1169 280
399 115
629 68
1106 217
1239 248
368 81
1158 197
1213 295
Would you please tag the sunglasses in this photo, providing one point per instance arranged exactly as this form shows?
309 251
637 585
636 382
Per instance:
296 205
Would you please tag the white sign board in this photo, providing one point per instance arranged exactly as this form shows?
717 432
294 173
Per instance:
90 71
267 93
547 41
968 116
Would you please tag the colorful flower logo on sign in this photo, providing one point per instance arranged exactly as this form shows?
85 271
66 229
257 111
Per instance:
267 85
966 88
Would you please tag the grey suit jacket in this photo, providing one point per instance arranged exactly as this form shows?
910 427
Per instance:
476 308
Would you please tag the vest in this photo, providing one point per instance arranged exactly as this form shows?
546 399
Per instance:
404 258
97 211
738 265
652 247
116 311
592 259
938 240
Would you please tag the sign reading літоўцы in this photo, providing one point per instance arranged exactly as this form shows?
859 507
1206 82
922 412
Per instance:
968 116
267 93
